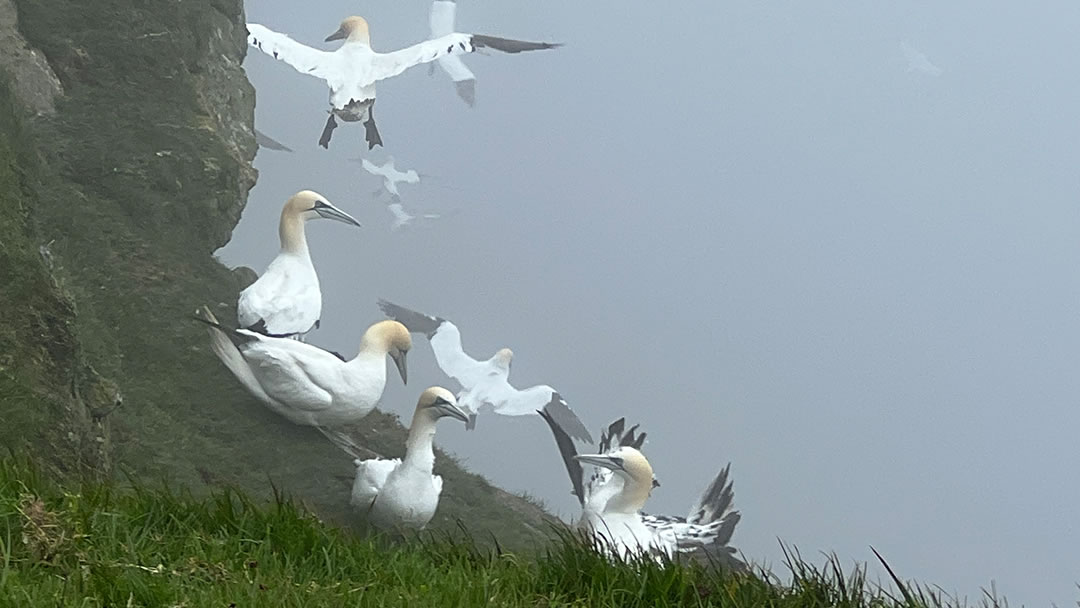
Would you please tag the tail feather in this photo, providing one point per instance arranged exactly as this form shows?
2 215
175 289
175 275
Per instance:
229 354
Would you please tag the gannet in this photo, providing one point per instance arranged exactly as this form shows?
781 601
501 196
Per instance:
485 382
390 175
403 492
403 218
304 383
441 21
705 532
286 301
918 61
352 70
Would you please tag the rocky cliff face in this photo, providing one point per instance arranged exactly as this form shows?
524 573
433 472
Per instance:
126 141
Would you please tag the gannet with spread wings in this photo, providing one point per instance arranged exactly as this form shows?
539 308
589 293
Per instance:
485 382
352 69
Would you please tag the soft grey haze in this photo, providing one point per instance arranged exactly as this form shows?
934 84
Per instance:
750 228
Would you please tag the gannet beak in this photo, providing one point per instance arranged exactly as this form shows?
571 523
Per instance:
602 460
449 409
331 212
399 361
338 35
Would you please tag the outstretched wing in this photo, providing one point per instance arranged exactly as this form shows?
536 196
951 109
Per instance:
550 402
303 58
445 342
567 451
388 65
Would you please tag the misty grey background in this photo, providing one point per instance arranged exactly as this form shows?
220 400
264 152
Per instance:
749 228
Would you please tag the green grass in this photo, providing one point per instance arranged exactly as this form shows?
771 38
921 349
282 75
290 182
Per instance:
137 179
101 545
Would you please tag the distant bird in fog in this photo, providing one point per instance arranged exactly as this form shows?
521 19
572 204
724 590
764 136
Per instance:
485 382
352 70
918 61
390 175
286 300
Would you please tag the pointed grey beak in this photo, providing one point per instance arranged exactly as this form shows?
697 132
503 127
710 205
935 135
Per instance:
601 460
333 213
338 35
449 409
399 361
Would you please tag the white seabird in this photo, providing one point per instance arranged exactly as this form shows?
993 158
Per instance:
918 61
441 21
613 497
304 383
390 175
486 382
403 218
352 70
403 492
286 301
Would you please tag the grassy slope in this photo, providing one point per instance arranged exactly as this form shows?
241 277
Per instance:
134 184
103 547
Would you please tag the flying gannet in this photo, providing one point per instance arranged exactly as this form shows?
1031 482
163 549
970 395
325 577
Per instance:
485 382
304 383
352 70
918 61
403 492
390 175
441 20
403 218
286 301
612 499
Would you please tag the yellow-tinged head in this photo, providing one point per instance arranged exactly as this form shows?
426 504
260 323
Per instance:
392 338
437 402
353 29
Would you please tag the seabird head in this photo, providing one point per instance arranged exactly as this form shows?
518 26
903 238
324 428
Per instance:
440 402
353 29
309 205
625 461
394 339
504 357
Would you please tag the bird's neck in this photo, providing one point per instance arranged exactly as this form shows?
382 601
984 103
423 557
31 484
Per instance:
419 453
630 499
291 233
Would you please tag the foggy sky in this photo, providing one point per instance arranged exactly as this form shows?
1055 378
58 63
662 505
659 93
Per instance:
748 227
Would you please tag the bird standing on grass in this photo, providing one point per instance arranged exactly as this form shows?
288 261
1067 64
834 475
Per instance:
616 491
403 493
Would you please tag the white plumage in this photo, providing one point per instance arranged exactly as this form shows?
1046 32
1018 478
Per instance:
306 384
391 175
442 17
403 492
617 488
485 382
286 300
352 70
